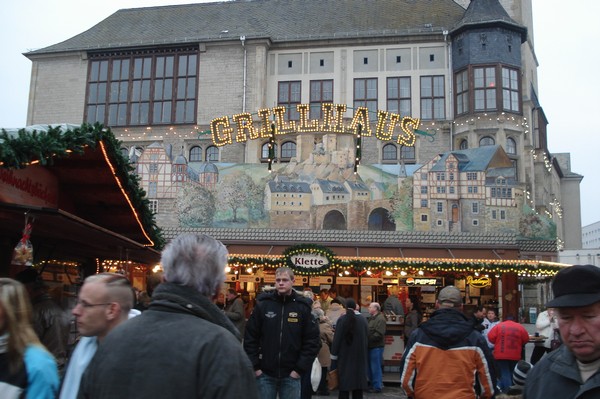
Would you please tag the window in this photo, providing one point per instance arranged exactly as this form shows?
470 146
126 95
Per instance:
451 190
153 168
475 207
440 176
424 203
125 152
138 89
441 189
398 96
423 176
265 151
288 97
464 145
288 150
440 207
398 59
440 222
321 91
486 140
471 175
423 189
423 218
484 83
390 152
195 154
475 222
462 92
407 153
510 90
511 146
152 189
502 215
432 97
451 176
212 154
365 95
472 189
153 206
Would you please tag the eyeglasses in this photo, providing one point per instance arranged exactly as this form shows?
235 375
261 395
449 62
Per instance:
87 305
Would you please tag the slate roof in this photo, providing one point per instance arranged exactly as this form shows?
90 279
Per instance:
332 187
276 20
486 13
367 238
470 160
288 187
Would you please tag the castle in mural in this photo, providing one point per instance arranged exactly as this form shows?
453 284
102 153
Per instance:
472 190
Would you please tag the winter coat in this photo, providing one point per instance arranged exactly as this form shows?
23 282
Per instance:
183 346
377 325
236 313
411 322
37 378
545 326
282 335
508 338
352 357
334 312
557 376
447 359
326 334
392 304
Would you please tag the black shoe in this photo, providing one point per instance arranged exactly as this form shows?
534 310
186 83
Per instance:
374 390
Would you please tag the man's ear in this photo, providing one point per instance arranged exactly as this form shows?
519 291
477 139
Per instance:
113 311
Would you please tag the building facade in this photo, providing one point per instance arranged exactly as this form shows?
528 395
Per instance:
171 82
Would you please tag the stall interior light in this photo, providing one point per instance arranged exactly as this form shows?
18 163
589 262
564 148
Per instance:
476 274
227 269
346 272
369 273
249 270
421 272
403 273
388 273
157 268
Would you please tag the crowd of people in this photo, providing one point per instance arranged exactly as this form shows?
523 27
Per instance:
292 345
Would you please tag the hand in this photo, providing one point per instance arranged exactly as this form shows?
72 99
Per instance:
257 373
294 375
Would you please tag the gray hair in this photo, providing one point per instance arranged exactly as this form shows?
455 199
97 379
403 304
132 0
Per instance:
197 261
118 289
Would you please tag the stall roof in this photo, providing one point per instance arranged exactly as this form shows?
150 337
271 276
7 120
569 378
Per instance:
98 209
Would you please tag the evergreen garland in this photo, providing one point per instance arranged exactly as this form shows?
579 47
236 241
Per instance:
18 152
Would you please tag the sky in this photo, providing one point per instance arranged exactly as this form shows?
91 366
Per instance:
566 37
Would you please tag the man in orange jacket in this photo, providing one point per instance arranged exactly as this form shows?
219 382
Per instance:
508 338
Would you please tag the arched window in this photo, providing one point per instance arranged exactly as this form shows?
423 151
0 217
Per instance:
408 153
511 146
212 154
288 150
487 140
196 154
464 145
390 152
264 153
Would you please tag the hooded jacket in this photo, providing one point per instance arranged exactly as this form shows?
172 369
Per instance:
557 376
183 346
447 359
281 335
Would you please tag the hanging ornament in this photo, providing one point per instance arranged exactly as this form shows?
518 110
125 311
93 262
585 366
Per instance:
23 252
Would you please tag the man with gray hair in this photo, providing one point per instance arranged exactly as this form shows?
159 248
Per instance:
183 346
445 357
377 324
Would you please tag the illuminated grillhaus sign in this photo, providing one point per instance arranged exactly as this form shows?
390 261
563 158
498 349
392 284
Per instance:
241 127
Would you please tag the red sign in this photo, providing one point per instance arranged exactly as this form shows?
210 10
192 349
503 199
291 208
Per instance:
33 186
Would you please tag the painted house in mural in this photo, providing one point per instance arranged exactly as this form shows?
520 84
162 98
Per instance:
288 202
468 191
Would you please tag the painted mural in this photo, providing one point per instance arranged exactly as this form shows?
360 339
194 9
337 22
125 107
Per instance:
472 190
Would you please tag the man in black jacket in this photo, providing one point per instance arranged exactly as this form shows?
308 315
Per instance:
281 339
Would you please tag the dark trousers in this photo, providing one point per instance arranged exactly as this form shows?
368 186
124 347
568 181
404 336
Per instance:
356 394
538 352
323 383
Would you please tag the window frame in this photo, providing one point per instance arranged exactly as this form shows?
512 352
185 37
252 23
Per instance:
370 97
401 102
289 95
124 89
319 94
432 95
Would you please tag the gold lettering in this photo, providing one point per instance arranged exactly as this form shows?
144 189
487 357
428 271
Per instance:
221 131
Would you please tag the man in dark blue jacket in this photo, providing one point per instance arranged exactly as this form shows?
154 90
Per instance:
281 339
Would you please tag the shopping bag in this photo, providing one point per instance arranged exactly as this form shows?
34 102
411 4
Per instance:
315 375
332 380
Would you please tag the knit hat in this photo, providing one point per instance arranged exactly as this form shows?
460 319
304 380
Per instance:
519 376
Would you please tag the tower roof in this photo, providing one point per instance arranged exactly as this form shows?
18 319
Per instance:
485 14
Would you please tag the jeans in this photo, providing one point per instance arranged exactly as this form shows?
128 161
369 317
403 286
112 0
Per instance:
505 371
268 387
375 375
